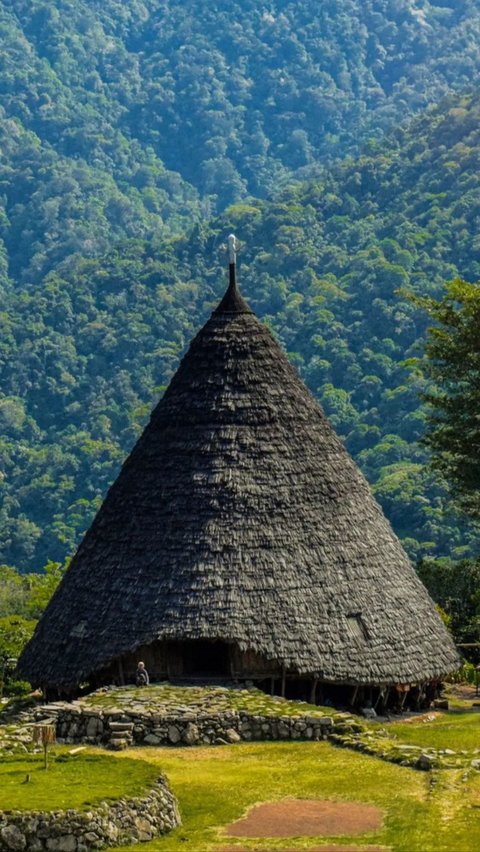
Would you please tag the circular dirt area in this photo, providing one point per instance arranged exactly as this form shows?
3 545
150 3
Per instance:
306 818
316 849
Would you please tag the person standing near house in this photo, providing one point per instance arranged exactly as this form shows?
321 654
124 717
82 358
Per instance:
141 675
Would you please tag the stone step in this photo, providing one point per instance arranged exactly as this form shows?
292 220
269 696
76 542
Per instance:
121 726
118 744
54 708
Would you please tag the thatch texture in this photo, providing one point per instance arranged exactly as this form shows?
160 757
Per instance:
240 516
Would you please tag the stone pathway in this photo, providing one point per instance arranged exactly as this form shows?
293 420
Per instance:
16 733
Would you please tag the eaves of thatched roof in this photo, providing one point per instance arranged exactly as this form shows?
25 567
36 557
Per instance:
240 516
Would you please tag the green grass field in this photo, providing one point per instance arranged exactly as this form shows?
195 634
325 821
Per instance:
216 785
455 730
71 782
436 811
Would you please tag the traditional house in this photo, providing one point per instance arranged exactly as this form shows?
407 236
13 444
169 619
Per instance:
240 541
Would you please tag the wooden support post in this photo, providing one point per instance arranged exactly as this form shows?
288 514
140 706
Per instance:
381 692
354 695
272 685
420 696
121 676
386 697
44 734
284 680
313 694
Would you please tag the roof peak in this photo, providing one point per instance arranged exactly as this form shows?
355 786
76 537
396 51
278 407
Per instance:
232 302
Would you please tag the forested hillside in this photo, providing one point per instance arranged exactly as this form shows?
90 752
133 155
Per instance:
86 352
134 117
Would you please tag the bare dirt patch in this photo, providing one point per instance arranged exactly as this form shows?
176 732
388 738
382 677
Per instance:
306 818
328 848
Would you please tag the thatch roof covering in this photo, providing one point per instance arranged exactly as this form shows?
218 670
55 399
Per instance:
240 516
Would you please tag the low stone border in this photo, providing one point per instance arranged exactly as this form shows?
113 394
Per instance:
118 728
16 739
123 823
379 744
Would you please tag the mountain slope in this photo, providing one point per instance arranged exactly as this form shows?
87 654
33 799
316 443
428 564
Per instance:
130 117
85 353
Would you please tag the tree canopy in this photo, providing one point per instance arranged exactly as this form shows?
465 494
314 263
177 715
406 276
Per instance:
453 364
134 136
128 118
86 351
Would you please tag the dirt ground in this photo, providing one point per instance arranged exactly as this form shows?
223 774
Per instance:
328 848
306 818
464 691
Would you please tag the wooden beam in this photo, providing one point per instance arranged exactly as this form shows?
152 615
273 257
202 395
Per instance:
284 680
313 694
379 697
387 695
121 675
354 696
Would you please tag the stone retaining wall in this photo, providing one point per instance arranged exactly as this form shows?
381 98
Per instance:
123 823
120 728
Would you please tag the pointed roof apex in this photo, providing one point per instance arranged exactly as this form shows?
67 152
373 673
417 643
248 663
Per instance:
232 302
232 249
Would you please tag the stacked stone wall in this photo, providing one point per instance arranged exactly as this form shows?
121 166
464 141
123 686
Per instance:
123 823
119 728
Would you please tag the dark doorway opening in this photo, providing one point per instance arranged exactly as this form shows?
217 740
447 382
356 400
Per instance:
298 688
205 659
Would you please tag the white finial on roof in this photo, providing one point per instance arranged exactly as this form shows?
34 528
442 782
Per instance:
232 249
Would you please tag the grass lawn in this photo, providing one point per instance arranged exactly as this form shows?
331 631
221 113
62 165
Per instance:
456 730
435 811
71 782
216 785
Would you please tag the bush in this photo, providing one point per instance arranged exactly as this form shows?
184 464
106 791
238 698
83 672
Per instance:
17 688
466 674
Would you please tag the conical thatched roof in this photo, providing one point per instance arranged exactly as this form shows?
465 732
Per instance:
240 516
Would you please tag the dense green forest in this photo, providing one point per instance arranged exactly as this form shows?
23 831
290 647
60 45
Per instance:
86 351
127 118
134 136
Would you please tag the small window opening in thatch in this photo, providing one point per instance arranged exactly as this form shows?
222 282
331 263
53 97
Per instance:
79 630
356 627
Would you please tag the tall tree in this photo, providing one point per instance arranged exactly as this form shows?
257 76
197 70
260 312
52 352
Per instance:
453 365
